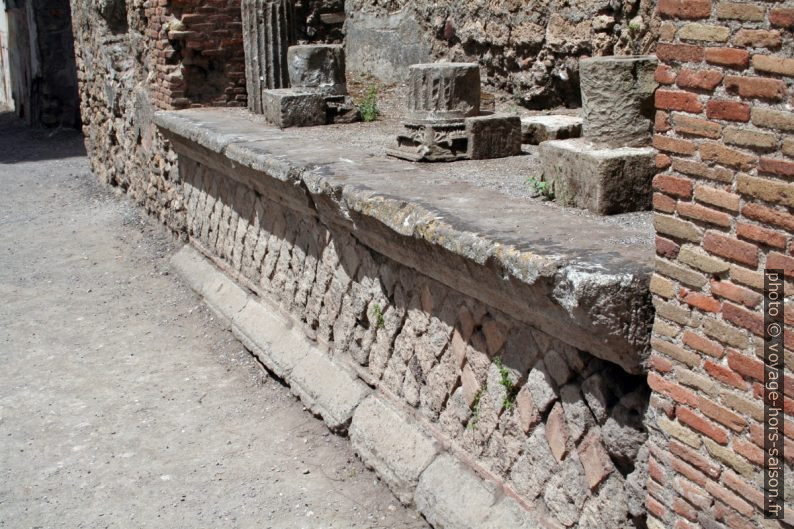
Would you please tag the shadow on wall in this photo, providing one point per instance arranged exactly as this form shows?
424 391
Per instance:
564 429
41 65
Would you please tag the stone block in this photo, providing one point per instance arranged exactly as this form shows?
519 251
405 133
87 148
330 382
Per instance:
319 67
384 45
537 129
263 333
443 91
225 297
293 107
196 270
602 179
493 136
509 514
557 433
541 387
595 460
341 109
431 142
327 389
617 99
451 496
392 444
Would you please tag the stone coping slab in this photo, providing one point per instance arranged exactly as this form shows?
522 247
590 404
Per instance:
570 275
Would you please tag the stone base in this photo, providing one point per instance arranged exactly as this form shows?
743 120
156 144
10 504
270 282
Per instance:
341 109
603 180
494 136
537 129
475 138
431 142
288 107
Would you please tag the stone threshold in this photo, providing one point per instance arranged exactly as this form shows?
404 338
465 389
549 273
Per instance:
567 274
414 459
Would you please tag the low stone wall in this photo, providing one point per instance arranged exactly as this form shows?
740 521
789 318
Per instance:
559 429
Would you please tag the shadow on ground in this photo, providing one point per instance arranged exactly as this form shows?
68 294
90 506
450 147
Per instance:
23 144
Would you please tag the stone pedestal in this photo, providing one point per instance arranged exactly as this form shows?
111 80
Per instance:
268 31
605 180
617 99
443 92
444 122
609 170
318 67
537 129
431 142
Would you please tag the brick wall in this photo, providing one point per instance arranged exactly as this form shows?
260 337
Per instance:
137 56
723 199
199 57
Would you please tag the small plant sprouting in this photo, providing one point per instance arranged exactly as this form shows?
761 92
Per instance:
369 105
475 411
510 389
542 188
380 321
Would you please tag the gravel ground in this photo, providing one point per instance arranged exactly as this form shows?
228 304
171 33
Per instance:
123 403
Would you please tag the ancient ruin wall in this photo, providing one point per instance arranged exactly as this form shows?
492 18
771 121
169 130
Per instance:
528 48
138 56
723 213
563 429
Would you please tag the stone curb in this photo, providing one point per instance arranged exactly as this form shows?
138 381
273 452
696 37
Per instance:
449 494
389 443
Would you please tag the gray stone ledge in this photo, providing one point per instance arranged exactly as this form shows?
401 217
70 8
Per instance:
569 275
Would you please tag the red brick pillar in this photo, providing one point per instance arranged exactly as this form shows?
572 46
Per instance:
723 199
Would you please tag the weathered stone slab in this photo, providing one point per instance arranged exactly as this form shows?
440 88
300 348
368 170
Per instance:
194 268
293 107
452 496
537 129
318 67
602 179
393 444
327 389
493 136
269 338
617 99
225 297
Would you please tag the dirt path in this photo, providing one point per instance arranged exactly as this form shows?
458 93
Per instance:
122 402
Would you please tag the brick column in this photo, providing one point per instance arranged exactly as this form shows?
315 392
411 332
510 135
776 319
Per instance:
723 199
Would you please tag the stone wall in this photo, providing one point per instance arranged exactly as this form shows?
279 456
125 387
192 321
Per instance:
528 48
723 199
561 429
141 55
